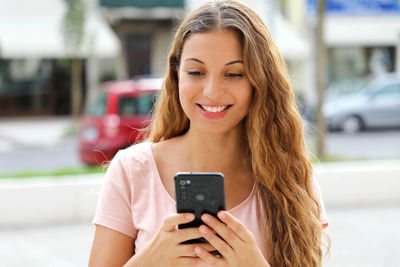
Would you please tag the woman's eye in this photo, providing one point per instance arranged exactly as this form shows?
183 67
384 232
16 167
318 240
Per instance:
195 73
234 75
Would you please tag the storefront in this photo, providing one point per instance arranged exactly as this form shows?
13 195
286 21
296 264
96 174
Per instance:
35 65
362 37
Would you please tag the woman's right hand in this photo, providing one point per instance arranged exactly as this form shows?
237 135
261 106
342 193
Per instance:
165 249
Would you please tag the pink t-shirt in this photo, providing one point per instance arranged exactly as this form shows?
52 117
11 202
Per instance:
133 199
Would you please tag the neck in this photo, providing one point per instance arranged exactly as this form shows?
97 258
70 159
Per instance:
223 153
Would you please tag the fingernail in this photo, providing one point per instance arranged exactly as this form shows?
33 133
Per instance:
197 250
203 229
222 215
189 216
206 218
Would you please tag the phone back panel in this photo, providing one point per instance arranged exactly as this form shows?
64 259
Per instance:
199 193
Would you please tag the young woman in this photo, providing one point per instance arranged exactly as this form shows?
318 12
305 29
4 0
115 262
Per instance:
227 106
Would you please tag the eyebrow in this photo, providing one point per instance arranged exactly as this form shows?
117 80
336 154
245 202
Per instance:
201 62
234 62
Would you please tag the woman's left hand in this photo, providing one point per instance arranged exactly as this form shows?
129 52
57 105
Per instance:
236 244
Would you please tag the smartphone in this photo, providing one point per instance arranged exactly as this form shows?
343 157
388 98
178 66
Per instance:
199 193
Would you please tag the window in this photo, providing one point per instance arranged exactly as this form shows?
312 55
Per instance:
389 90
138 49
142 105
98 106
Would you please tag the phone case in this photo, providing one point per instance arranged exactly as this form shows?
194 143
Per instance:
199 193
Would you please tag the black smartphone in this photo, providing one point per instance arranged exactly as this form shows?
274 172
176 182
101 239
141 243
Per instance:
199 193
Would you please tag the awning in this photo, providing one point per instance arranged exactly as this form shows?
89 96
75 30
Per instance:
362 30
32 29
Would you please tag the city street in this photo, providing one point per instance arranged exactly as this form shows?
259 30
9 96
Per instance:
16 157
372 144
361 237
58 156
37 144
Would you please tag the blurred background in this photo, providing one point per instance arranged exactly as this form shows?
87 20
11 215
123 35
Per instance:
79 77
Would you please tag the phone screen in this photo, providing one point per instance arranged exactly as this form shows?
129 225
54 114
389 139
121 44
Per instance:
199 193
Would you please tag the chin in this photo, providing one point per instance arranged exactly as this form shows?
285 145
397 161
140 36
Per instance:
216 129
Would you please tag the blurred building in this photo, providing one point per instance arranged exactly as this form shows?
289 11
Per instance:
35 66
145 29
363 37
131 38
128 38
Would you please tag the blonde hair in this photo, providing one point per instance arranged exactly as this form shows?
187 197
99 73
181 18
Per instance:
272 129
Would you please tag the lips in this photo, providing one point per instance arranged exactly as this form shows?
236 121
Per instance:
213 112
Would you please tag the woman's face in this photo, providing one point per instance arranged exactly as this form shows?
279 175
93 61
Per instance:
214 90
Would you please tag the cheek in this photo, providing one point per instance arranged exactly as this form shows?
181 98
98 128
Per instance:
187 89
247 97
185 95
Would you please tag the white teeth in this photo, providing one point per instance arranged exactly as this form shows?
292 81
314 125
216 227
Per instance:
214 109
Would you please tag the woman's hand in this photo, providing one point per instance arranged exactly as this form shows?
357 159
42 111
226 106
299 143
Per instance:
236 244
165 249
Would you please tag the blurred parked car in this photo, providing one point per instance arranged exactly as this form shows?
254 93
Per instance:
114 119
347 86
377 105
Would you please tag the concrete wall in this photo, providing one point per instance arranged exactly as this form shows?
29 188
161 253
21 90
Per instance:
359 183
41 201
35 201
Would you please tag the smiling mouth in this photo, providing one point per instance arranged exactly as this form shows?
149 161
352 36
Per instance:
214 109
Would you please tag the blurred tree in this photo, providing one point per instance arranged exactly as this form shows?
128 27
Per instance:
73 29
321 80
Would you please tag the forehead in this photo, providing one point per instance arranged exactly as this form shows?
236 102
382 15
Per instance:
211 44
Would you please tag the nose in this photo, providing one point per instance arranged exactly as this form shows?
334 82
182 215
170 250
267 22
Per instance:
213 88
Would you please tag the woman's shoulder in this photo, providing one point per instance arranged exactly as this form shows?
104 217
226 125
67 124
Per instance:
132 168
134 158
137 151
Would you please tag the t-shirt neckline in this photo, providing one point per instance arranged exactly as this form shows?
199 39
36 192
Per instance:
173 201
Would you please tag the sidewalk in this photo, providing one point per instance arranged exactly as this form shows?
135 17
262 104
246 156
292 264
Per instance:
361 237
33 132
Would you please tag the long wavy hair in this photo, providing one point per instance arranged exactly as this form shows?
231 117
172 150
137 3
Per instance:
272 129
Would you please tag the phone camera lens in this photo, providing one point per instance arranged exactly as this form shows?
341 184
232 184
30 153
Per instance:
200 197
182 182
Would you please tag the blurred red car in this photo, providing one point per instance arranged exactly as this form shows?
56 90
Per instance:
113 120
